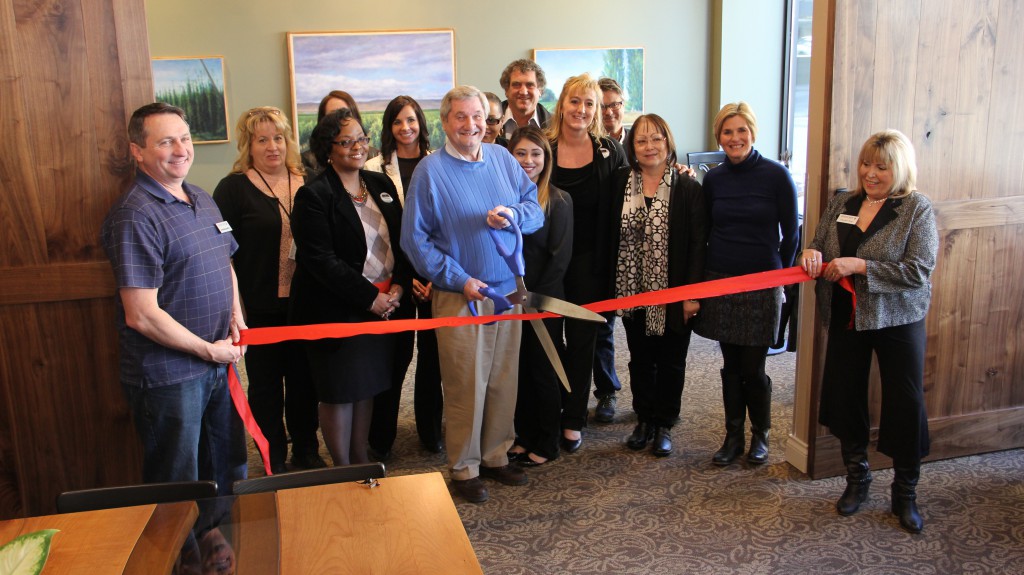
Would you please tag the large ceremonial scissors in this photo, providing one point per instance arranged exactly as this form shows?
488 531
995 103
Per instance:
530 301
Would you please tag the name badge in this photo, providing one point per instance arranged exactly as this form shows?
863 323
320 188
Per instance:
847 219
386 198
224 227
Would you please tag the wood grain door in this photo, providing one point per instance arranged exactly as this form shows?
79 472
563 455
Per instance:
71 73
949 74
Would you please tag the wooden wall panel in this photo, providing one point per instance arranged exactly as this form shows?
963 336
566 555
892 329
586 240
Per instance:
1003 168
21 223
935 100
949 75
973 81
948 325
71 72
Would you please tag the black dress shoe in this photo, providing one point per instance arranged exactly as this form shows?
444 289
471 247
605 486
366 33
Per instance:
308 461
506 474
661 445
570 445
436 446
376 455
472 490
605 410
642 434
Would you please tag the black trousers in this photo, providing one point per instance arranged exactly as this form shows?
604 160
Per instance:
428 400
384 422
657 371
280 383
903 426
539 402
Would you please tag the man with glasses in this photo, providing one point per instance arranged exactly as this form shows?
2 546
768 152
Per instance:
524 83
612 108
455 195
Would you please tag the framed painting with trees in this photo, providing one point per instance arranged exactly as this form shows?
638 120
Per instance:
195 85
625 65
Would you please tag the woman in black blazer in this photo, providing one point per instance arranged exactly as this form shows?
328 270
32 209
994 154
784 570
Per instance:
659 232
346 225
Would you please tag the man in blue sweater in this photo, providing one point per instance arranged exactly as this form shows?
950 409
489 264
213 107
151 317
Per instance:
454 195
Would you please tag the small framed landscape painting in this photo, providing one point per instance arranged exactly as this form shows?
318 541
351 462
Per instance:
195 85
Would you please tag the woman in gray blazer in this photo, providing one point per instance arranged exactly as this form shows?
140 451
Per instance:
882 238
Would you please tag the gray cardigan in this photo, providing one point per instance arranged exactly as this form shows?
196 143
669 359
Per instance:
900 247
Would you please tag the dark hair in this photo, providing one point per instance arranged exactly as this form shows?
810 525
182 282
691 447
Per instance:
343 96
661 126
493 98
321 140
537 136
137 124
609 85
387 137
523 66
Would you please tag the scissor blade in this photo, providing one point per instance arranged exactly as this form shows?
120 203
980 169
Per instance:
549 349
562 307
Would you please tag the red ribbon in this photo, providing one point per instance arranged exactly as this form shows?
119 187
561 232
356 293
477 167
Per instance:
708 289
242 407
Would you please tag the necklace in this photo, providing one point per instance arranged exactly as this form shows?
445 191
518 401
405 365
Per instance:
876 202
361 198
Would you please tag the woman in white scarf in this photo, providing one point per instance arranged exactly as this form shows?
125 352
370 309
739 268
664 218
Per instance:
660 237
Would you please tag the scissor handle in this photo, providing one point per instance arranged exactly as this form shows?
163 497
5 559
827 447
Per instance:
501 303
513 258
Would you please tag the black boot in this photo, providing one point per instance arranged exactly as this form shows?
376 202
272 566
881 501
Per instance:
858 478
641 436
735 419
904 495
758 397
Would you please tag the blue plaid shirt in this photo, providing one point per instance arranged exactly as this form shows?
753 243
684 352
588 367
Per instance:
156 241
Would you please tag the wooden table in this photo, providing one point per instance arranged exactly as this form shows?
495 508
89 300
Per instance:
405 525
110 541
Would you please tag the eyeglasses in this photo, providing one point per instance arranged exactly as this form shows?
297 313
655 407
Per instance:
258 111
612 106
348 143
492 121
655 141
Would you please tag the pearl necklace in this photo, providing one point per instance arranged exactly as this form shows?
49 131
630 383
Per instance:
876 202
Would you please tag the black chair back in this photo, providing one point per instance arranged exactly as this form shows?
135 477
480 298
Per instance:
340 474
704 161
129 495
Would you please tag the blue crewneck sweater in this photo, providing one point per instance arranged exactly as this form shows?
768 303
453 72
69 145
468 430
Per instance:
753 216
444 225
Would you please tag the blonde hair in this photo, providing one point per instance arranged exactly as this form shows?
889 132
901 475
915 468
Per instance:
575 84
741 109
246 129
894 150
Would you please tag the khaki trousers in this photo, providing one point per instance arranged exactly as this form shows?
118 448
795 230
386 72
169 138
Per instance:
479 376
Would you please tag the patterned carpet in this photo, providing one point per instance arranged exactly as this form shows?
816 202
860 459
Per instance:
607 509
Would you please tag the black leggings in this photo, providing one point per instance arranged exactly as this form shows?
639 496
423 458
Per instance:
745 361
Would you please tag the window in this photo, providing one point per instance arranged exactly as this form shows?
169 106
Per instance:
798 74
